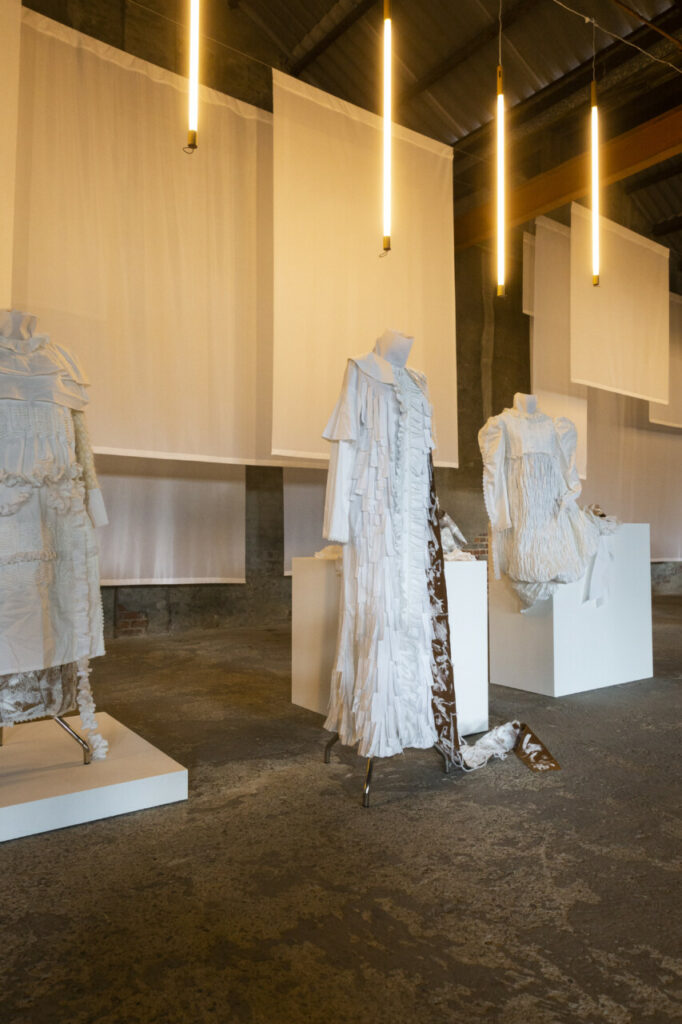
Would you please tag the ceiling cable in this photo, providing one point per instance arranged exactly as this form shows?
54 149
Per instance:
614 35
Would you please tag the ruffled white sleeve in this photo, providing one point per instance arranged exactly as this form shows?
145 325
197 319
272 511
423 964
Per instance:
84 456
568 441
342 432
492 442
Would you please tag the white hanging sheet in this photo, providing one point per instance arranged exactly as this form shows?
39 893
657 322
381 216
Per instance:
10 33
304 491
334 294
551 335
155 267
635 469
171 522
671 415
619 330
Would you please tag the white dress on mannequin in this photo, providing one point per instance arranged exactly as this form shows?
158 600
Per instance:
541 537
377 507
50 605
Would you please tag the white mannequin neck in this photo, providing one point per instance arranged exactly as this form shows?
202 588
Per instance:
527 404
17 325
394 347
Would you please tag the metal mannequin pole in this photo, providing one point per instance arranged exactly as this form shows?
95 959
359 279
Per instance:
85 747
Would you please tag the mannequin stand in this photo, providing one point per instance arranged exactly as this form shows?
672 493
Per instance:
447 765
85 747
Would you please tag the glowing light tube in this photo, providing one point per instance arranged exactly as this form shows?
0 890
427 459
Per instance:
500 186
193 124
595 187
387 125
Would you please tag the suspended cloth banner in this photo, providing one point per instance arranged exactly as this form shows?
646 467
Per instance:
171 522
154 267
550 273
619 331
334 295
671 415
304 492
10 33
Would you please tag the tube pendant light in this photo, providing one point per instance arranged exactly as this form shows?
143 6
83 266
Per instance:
501 239
595 183
193 113
387 126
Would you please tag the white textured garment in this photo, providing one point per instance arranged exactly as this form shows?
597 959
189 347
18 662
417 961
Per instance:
50 605
377 506
540 536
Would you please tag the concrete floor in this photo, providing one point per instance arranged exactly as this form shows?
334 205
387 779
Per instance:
272 896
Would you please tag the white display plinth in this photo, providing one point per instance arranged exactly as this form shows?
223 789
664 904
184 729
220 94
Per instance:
44 784
568 645
316 590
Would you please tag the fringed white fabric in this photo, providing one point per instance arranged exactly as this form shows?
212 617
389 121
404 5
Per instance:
541 537
377 500
86 708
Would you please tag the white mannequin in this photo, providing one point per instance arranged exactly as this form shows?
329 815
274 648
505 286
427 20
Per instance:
19 326
394 347
527 404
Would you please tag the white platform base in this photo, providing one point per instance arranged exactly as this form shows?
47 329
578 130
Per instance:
316 590
567 645
44 784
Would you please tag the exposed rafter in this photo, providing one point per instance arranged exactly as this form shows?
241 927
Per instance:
462 53
627 154
670 169
645 21
360 9
667 227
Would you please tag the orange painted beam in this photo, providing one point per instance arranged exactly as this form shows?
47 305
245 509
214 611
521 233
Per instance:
647 144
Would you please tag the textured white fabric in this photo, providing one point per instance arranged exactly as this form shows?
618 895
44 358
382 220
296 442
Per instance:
332 289
619 330
172 522
377 506
530 485
671 415
10 33
154 265
550 375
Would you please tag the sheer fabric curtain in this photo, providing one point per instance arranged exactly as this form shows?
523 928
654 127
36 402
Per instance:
155 267
670 415
620 330
551 333
334 295
304 491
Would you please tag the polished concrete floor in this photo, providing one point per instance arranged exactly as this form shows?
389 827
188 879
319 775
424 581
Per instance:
272 897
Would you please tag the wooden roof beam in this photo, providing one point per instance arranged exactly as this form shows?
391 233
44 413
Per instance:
647 144
335 33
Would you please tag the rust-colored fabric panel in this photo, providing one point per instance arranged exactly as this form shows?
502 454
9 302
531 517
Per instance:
533 752
443 690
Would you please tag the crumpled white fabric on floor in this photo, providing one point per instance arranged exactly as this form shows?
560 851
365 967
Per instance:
671 415
334 295
619 330
171 522
155 267
304 491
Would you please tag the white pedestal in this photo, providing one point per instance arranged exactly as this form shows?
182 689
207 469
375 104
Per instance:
567 645
316 589
44 784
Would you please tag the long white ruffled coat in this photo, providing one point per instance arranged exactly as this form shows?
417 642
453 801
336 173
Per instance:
541 538
378 492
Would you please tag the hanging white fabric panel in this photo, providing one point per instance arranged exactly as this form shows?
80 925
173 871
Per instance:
671 415
304 491
10 33
635 469
528 297
551 333
619 330
171 522
334 295
155 267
